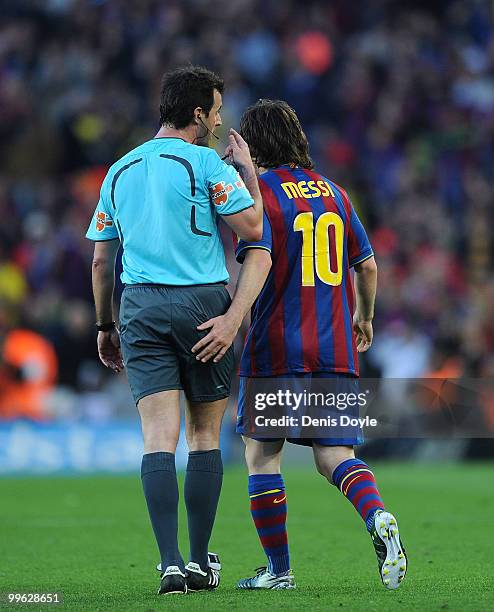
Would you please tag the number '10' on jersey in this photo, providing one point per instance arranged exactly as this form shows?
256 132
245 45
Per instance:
302 319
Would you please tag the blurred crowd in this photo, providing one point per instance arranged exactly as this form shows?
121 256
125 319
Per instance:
397 99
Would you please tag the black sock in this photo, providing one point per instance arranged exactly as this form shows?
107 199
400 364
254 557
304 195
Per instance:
159 481
203 481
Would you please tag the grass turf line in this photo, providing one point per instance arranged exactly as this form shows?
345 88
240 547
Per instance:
90 538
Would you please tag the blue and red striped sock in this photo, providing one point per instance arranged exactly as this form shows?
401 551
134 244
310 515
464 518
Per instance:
268 509
356 481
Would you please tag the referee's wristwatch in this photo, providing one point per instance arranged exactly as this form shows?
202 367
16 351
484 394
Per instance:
105 327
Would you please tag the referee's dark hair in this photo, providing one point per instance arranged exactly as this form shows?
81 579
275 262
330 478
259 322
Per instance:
183 90
275 137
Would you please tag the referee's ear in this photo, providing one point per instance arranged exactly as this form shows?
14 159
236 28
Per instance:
197 114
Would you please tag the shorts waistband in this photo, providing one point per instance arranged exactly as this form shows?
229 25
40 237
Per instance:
160 286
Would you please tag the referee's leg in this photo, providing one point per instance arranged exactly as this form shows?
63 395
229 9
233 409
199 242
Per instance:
204 474
160 419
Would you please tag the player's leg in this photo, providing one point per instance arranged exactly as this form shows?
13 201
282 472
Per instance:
203 481
339 466
268 508
357 483
160 420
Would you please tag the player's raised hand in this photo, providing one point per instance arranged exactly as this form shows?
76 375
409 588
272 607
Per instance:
363 332
238 152
214 345
109 350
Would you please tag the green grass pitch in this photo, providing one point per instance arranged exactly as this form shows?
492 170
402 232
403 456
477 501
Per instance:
89 538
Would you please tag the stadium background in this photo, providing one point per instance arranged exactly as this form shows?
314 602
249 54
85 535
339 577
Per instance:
397 100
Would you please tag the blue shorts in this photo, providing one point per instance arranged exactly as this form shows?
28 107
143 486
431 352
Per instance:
350 383
158 328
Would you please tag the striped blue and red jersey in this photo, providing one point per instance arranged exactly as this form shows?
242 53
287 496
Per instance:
302 319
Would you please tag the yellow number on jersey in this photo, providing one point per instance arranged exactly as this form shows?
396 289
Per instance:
304 222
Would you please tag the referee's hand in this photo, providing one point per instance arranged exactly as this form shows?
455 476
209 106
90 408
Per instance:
109 350
238 152
214 345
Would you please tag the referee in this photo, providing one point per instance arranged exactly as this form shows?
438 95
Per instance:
162 202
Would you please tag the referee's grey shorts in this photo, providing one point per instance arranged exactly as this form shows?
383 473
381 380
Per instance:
157 332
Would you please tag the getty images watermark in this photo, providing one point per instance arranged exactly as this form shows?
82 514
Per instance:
294 405
347 409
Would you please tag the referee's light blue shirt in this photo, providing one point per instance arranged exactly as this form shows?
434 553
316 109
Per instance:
162 200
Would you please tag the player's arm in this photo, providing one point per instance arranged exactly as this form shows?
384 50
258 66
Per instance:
361 258
103 277
365 293
247 224
253 274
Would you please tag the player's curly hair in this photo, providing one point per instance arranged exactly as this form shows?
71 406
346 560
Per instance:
183 90
275 137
